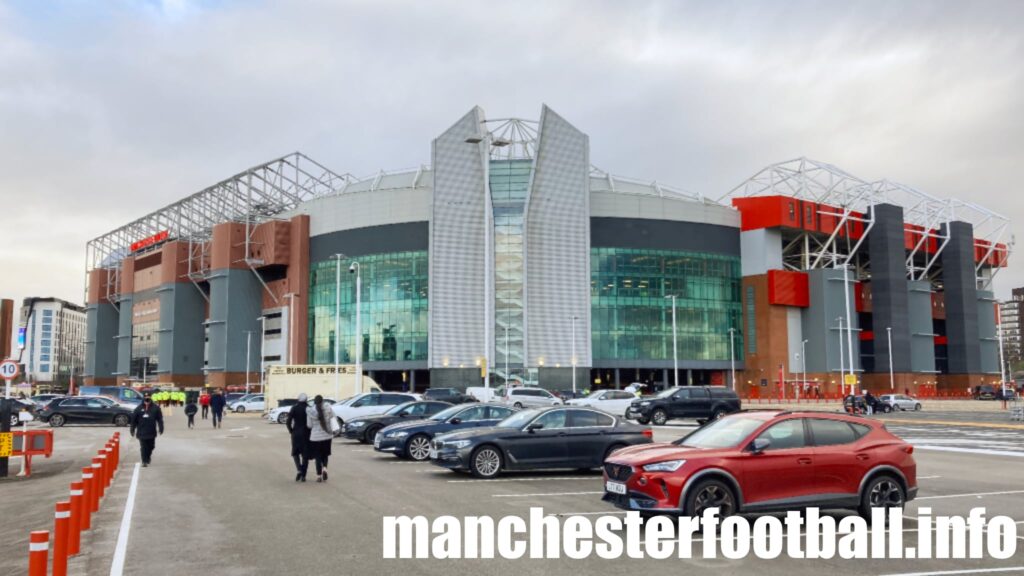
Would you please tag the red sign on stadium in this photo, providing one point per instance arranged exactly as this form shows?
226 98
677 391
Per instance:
146 242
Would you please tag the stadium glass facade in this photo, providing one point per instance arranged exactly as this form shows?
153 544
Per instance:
394 309
632 314
509 185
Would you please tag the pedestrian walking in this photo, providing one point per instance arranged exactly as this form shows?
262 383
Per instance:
318 417
217 406
298 427
204 402
147 423
870 402
190 411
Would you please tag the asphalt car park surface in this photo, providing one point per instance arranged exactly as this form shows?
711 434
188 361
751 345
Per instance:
224 501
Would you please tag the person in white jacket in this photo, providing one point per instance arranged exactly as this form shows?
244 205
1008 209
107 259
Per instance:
318 418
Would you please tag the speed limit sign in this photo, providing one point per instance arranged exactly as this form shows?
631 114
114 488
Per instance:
9 370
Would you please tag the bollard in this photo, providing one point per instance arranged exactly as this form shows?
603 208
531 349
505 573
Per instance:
108 461
97 484
38 552
60 538
87 498
75 526
111 463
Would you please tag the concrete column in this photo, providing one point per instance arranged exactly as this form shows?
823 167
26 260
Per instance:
101 328
961 299
889 296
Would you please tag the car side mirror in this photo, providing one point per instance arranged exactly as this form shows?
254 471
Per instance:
534 427
760 445
455 421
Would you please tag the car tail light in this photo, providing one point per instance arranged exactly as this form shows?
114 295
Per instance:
649 433
908 449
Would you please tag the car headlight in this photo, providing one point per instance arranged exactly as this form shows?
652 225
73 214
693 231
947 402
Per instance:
357 424
666 466
458 443
396 434
645 402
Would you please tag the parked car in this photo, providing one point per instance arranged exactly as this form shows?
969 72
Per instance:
610 401
767 461
900 402
541 438
412 439
449 395
18 406
41 400
699 402
249 403
528 397
232 397
858 405
365 428
1006 394
280 414
985 392
120 394
85 410
368 404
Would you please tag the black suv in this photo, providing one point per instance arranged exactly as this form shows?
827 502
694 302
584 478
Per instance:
449 395
698 402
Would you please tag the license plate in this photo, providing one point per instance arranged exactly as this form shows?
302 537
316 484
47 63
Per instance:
615 487
376 441
433 453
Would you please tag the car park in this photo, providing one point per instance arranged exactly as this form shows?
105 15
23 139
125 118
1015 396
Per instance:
697 402
610 401
449 395
412 439
368 404
365 428
528 397
764 461
900 402
537 439
280 414
251 403
85 410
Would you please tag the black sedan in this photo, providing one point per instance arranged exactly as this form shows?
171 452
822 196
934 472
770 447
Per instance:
85 410
365 428
542 438
412 439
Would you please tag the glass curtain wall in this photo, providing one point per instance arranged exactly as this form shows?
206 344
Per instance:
632 318
393 309
509 185
145 339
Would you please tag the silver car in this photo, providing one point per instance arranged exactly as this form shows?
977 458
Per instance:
525 397
900 402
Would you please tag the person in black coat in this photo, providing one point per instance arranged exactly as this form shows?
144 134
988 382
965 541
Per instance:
217 404
147 423
190 411
298 427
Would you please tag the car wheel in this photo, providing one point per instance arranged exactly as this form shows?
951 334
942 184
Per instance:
14 419
120 420
341 426
718 414
370 434
418 447
882 491
485 462
917 407
57 420
613 448
659 417
711 493
282 418
643 420
240 409
518 405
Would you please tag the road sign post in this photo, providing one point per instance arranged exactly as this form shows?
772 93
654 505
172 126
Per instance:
8 371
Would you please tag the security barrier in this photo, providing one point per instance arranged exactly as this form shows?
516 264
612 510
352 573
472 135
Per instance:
73 516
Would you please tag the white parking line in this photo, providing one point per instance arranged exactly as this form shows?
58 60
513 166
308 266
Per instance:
117 565
928 477
548 494
528 479
969 450
974 571
977 494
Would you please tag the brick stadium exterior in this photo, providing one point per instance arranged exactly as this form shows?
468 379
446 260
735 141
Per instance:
511 258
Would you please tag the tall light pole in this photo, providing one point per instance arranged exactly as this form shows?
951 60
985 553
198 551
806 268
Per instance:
1002 361
574 355
803 362
356 269
248 358
675 345
842 369
849 320
263 343
732 356
892 378
337 326
506 353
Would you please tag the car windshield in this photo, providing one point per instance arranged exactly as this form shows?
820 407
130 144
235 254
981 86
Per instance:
667 393
447 413
724 433
519 419
397 409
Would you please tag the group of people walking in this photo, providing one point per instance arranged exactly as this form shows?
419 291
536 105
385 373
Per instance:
311 435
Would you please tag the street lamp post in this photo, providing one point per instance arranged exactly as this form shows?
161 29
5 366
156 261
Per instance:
506 354
675 345
842 368
1002 361
337 326
574 355
892 378
263 343
248 358
803 362
732 356
356 269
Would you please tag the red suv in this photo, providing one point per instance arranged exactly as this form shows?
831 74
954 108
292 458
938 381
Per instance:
761 461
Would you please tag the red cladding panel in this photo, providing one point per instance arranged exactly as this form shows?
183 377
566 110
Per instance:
941 340
867 335
787 288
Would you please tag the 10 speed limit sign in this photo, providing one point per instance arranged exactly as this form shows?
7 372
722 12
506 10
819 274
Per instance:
9 370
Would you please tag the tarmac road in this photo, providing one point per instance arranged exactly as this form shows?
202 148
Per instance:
224 502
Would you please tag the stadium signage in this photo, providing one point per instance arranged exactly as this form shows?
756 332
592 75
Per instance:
147 242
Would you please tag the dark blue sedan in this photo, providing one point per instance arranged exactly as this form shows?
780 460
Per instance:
412 439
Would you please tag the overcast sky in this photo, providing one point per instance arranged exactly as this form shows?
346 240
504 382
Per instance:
110 110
